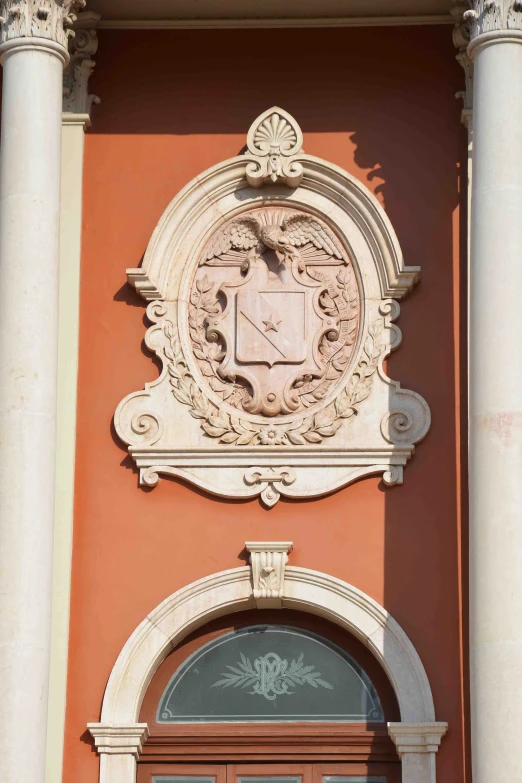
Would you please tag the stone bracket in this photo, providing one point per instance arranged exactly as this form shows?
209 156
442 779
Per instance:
268 560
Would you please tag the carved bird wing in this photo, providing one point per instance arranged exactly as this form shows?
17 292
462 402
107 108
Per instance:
304 229
240 234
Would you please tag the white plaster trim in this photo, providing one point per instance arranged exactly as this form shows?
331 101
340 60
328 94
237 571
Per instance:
340 21
232 591
68 320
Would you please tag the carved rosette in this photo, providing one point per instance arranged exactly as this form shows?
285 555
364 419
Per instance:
51 19
272 316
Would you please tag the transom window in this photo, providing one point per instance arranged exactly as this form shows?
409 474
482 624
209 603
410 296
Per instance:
269 696
269 673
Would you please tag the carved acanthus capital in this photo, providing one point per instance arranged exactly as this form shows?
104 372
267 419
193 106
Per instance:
268 560
50 19
461 38
492 16
274 141
76 97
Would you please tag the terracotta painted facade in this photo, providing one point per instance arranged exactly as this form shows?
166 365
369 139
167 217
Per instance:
381 104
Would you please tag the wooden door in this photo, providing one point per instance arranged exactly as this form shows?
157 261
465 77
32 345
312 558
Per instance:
356 772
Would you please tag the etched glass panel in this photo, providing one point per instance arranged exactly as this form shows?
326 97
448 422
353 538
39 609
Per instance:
269 673
350 779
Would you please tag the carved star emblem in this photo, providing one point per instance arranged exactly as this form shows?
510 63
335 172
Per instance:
271 325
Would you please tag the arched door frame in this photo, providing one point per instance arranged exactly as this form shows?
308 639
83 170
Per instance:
119 736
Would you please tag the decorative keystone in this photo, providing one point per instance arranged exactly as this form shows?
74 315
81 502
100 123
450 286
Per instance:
119 739
268 560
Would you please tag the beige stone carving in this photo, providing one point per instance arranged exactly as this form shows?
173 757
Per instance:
38 19
272 311
268 560
76 97
275 141
487 16
273 314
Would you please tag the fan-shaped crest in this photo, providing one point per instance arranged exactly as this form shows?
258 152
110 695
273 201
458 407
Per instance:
275 131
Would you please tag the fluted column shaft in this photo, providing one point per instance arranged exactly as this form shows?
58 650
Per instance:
495 461
33 53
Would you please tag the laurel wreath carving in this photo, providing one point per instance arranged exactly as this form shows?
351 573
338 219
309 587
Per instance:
230 429
335 363
203 305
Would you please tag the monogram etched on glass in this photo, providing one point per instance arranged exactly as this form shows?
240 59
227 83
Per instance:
272 676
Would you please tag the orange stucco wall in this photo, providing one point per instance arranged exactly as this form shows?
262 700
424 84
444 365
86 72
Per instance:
380 103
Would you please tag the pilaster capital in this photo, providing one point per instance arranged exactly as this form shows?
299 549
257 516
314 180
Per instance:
461 38
77 101
51 20
119 739
492 21
417 737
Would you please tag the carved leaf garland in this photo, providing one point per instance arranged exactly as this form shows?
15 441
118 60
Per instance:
229 429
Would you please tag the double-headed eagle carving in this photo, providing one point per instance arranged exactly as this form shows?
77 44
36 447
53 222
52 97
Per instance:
296 236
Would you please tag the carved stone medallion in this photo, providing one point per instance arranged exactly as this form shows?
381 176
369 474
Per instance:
274 311
271 280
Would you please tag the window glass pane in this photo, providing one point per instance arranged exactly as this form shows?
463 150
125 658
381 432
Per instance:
182 779
269 673
350 779
271 779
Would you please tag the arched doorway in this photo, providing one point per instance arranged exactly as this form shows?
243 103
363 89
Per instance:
269 697
120 735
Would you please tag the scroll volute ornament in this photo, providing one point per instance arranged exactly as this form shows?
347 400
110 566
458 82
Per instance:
272 281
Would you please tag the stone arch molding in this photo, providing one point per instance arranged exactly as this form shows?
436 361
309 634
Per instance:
119 737
272 282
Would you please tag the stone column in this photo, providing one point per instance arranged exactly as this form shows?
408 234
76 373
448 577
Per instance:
495 461
33 52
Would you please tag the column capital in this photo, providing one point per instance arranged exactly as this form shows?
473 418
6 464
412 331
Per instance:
25 21
461 38
77 101
492 21
417 737
119 739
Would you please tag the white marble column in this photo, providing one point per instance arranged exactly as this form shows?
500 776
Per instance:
33 52
495 458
